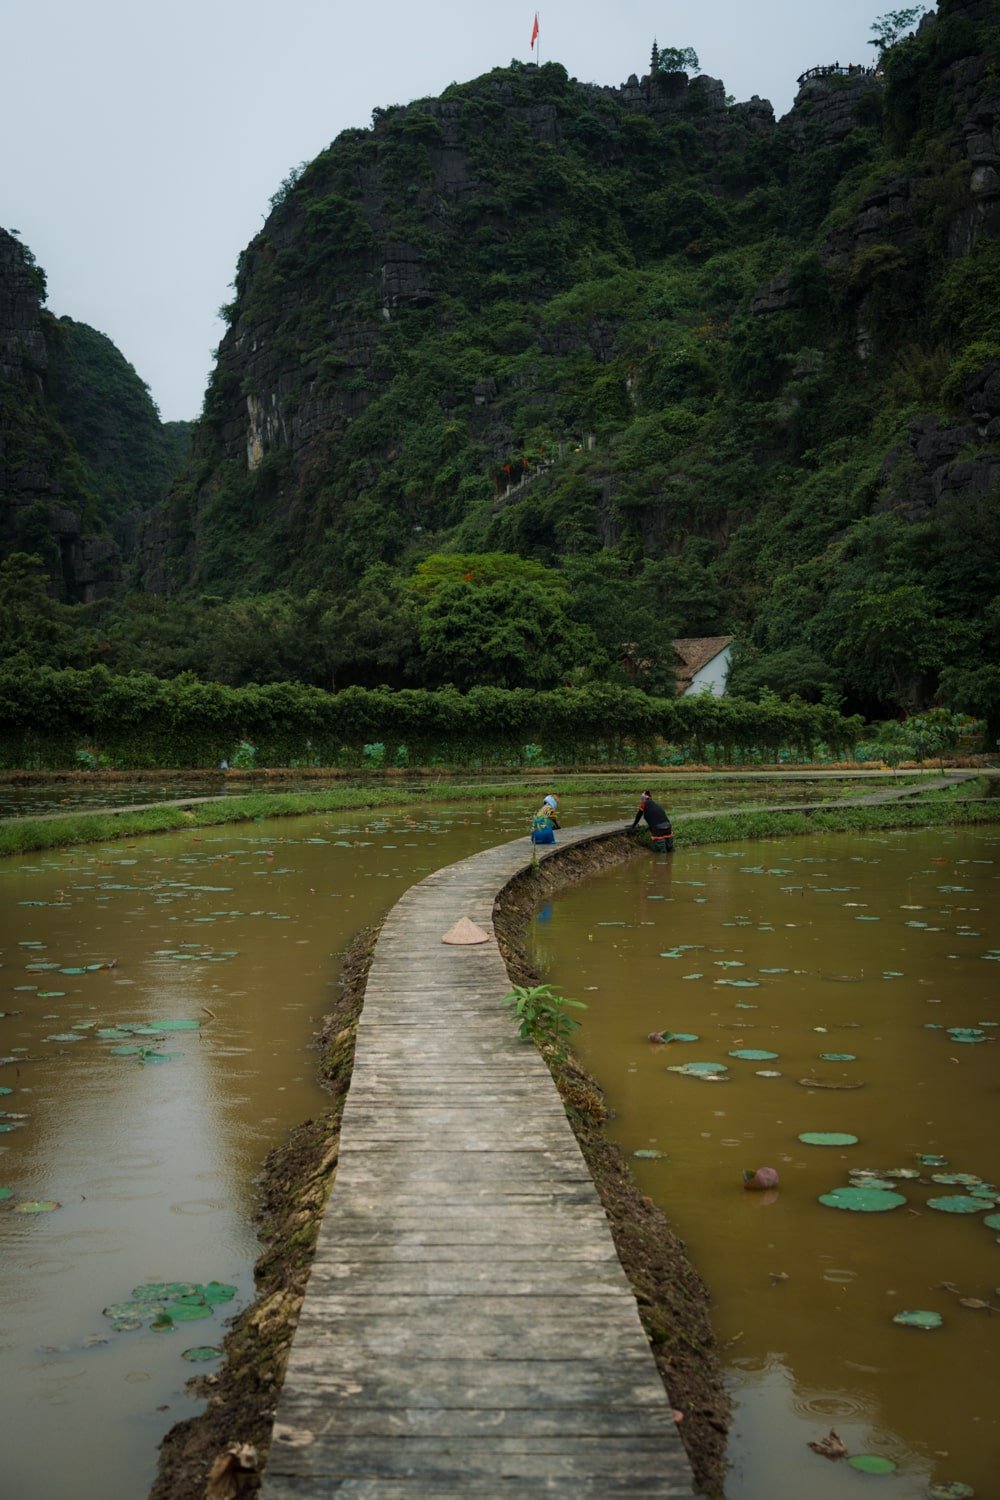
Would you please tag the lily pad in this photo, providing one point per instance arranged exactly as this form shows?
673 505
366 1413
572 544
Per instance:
957 1203
930 1160
189 1312
648 1155
130 1324
699 1069
956 1179
919 1319
6 1193
837 1057
951 1489
968 1034
162 1323
176 1025
862 1200
992 1221
827 1138
827 1083
754 1054
201 1353
218 1291
872 1463
37 1206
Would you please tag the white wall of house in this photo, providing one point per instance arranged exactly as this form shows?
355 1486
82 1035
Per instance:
712 677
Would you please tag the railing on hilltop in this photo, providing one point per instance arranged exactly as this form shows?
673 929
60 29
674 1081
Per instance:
840 70
517 475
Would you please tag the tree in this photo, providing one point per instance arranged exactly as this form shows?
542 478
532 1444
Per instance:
887 29
677 60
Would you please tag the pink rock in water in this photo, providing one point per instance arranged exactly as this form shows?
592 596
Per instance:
760 1181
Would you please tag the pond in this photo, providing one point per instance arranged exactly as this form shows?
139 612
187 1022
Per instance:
845 986
236 933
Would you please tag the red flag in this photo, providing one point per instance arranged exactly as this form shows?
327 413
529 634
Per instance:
534 32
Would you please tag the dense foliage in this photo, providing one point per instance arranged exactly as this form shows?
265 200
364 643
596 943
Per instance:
536 377
52 718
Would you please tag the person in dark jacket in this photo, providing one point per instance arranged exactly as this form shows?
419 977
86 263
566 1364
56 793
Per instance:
660 830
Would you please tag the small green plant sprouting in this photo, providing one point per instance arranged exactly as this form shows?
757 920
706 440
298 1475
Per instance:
542 1017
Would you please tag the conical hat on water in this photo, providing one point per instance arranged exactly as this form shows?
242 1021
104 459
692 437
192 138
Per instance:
465 931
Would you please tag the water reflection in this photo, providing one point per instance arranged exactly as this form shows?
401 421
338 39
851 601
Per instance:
850 959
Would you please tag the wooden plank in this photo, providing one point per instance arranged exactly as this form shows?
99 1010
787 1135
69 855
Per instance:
467 1328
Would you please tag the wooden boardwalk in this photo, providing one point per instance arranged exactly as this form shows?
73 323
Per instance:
468 1328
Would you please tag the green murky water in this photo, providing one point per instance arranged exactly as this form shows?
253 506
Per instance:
848 959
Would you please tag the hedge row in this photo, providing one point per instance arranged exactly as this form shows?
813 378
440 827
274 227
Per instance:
48 717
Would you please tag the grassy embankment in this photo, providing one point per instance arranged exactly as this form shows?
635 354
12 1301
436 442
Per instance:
31 835
35 834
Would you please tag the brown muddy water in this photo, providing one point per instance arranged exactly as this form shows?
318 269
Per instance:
153 1163
866 949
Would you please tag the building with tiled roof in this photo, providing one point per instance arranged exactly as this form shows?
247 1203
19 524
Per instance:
703 664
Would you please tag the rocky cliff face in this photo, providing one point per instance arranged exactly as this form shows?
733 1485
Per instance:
81 445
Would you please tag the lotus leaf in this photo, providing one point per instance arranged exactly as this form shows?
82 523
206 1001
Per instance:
73 970
128 1324
827 1138
837 1057
862 1199
992 1221
162 1323
700 1069
957 1203
919 1319
767 1073
176 1025
218 1292
951 1489
956 1179
754 1054
37 1206
201 1353
930 1160
872 1463
6 1193
189 1312
968 1034
648 1155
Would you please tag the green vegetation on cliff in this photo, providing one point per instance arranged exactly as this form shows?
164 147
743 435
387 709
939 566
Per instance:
610 367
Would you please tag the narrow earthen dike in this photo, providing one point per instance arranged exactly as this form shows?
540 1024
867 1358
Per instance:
468 1328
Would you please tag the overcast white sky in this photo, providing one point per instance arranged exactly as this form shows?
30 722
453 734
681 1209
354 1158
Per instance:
140 142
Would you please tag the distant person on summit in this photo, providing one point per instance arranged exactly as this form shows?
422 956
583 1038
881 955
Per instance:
543 824
660 829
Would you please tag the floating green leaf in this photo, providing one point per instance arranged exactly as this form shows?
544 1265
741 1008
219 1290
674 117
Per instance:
754 1054
951 1489
992 1221
930 1160
699 1070
6 1193
189 1312
862 1200
968 1034
957 1203
201 1353
919 1319
827 1138
130 1324
162 1323
872 1463
648 1155
956 1179
37 1206
176 1025
838 1057
218 1292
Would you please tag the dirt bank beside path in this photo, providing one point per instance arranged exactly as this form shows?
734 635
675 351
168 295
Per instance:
673 1300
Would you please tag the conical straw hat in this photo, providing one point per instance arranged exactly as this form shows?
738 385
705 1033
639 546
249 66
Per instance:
465 931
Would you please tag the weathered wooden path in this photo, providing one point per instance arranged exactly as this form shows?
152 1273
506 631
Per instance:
468 1328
